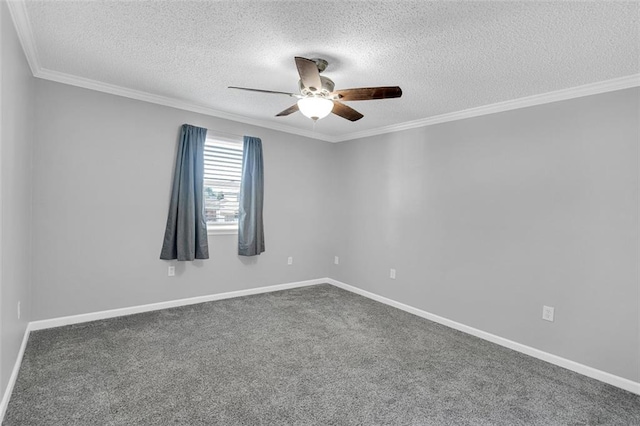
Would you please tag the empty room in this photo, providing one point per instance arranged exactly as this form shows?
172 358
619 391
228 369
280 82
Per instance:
319 213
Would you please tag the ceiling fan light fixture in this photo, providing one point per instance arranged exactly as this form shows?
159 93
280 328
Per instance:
317 97
315 107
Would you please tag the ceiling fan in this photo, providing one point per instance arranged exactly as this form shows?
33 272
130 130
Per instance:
317 98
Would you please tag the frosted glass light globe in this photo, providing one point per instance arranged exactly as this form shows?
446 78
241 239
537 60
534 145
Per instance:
315 107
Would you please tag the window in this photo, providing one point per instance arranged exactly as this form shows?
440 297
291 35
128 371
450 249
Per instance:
222 172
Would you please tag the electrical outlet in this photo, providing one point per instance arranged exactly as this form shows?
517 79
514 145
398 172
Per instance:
171 271
392 274
336 260
290 260
19 313
547 313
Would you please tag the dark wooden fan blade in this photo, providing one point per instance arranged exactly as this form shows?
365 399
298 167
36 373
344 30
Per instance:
309 73
367 93
346 112
264 91
293 108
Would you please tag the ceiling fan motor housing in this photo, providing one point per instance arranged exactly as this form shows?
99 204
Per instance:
324 91
320 63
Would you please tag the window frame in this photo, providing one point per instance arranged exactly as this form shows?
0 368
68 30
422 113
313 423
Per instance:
222 228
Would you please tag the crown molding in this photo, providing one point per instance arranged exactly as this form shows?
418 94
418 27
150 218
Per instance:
18 11
20 17
99 86
543 98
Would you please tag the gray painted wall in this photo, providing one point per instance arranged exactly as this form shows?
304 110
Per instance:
487 219
16 142
103 167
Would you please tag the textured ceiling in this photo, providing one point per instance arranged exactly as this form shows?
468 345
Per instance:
446 56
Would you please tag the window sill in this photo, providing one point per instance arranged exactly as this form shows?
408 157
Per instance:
222 230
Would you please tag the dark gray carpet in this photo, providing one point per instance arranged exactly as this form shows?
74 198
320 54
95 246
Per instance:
310 356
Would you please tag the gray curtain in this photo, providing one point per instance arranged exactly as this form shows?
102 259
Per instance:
250 227
185 237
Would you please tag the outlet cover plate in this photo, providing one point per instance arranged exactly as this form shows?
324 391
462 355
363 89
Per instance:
548 313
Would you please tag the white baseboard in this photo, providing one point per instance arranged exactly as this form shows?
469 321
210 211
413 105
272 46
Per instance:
112 313
605 377
14 375
585 370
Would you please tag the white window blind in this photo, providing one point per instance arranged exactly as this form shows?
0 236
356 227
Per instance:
222 173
